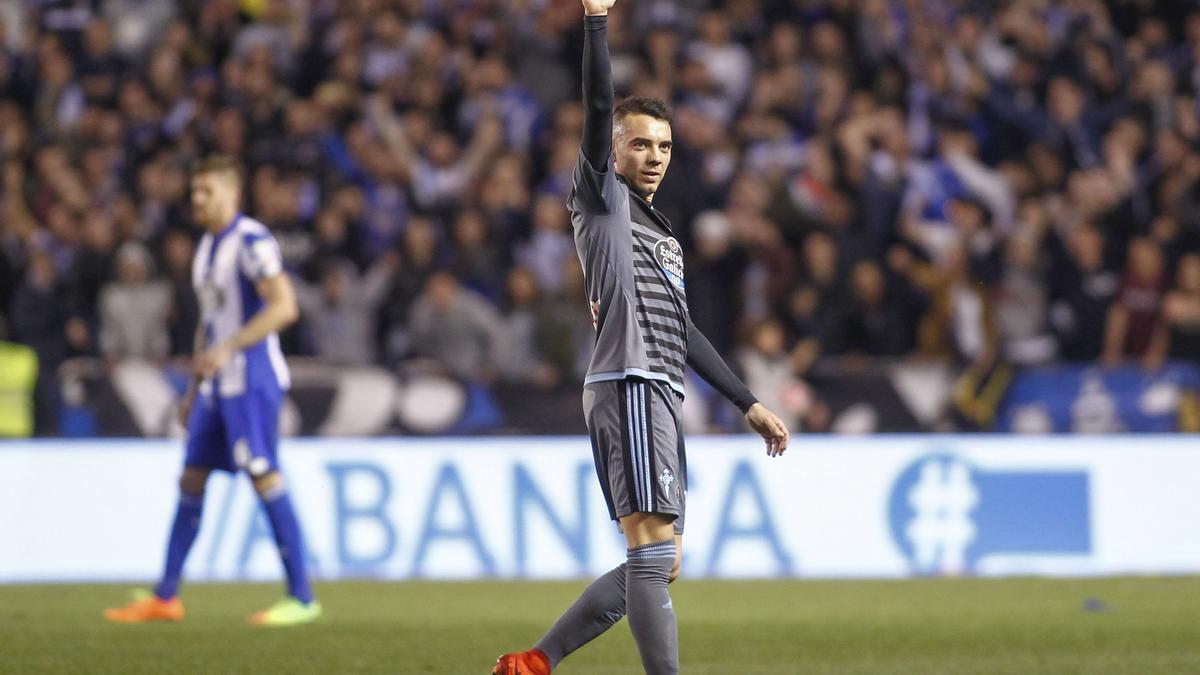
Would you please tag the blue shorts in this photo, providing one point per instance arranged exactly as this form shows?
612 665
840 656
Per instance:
235 432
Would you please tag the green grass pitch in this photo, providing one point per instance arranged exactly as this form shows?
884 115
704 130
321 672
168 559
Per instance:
1139 626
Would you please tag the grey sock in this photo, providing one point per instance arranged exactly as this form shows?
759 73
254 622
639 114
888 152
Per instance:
600 606
651 614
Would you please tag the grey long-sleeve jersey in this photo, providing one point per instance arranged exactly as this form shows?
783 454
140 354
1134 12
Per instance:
633 267
632 264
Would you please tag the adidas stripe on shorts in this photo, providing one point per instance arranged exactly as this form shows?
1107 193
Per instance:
637 443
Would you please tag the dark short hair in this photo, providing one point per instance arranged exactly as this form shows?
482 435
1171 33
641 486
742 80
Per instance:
642 105
217 163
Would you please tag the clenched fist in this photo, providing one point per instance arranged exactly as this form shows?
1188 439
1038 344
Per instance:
597 7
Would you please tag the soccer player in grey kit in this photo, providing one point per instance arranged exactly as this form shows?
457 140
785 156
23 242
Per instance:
634 387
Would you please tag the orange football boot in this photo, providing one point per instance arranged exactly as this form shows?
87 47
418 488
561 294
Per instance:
532 662
146 607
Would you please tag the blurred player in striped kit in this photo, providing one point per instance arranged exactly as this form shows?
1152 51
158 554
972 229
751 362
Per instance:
231 411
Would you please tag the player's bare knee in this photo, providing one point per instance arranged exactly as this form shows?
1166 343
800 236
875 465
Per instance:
267 483
193 480
646 528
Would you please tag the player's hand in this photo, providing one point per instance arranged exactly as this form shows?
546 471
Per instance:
597 7
768 425
211 361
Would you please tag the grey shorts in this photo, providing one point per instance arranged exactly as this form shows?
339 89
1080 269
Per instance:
637 444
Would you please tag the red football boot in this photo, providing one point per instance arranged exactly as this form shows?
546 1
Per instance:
532 662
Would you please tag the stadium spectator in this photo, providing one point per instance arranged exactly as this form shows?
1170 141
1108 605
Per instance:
572 335
715 302
340 311
1020 299
335 235
457 328
138 24
824 276
92 267
134 309
831 137
1178 336
881 315
421 256
528 335
1084 289
178 250
100 66
728 62
767 368
39 320
474 257
1135 316
549 245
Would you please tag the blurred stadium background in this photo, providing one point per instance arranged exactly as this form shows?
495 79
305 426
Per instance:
898 216
905 222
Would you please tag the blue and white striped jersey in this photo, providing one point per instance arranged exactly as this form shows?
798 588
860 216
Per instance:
224 273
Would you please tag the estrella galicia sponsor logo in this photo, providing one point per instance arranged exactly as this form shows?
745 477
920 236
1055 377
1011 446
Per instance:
946 514
670 258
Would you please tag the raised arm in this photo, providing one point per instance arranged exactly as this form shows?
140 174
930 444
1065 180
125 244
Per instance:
378 279
308 296
598 96
703 358
378 112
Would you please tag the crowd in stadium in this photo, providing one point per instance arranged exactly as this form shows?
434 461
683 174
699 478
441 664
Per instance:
974 181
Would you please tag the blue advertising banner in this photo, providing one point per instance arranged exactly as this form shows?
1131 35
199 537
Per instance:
1094 399
404 508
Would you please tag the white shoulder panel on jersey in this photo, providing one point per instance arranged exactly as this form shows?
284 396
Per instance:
260 255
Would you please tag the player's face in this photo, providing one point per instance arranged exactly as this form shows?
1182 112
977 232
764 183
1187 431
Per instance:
214 199
642 150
